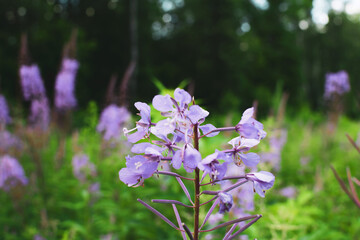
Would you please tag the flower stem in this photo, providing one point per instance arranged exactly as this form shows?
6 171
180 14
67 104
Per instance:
197 187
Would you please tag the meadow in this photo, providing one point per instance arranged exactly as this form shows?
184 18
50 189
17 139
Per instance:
56 205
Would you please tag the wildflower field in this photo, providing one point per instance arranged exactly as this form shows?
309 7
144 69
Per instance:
188 120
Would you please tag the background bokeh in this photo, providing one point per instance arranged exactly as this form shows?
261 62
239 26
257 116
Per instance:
234 52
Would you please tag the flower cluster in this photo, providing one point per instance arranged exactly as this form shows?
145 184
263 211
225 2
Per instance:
4 112
277 142
34 90
336 83
9 141
31 82
82 167
112 120
85 171
65 85
175 139
40 113
11 173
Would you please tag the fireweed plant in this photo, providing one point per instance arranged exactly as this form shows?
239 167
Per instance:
175 139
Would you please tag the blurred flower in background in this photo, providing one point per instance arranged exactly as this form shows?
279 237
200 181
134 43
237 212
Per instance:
31 82
82 167
4 112
8 141
112 120
40 113
336 83
11 173
65 85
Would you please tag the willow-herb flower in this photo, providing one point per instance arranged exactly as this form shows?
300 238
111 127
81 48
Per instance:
9 141
142 126
112 120
4 112
11 173
175 139
31 82
226 202
211 165
336 83
248 127
242 145
82 167
262 181
65 85
40 113
138 168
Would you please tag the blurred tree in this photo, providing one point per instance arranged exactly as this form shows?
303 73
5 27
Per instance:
234 52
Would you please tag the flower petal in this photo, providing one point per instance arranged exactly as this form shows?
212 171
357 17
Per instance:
140 147
177 159
192 157
144 110
163 103
129 177
208 128
196 113
183 97
248 113
250 159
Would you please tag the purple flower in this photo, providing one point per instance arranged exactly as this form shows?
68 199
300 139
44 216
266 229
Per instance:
138 168
288 192
277 141
188 155
151 152
208 128
4 112
248 127
165 141
262 181
246 197
94 188
242 145
336 83
112 120
142 126
11 173
39 237
177 108
82 167
8 141
65 85
31 82
211 165
40 113
226 202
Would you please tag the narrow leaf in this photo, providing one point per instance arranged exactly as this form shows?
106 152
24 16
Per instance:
356 181
184 189
174 175
353 143
209 213
187 230
230 231
178 219
352 188
158 213
231 222
244 227
342 185
171 202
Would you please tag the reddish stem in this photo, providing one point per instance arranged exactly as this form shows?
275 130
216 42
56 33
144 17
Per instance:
197 188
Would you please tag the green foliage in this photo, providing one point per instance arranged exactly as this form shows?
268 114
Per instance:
320 209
